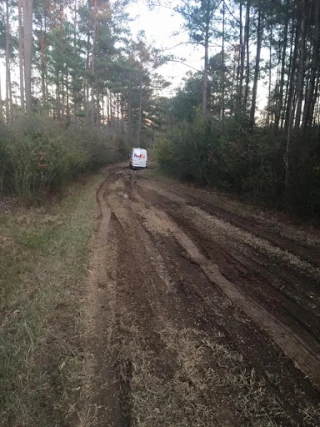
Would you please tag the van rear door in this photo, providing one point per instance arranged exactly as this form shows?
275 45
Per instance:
135 161
139 158
143 158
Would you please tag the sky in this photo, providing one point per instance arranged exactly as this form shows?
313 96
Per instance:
160 25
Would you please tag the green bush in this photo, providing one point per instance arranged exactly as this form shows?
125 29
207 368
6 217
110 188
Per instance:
234 157
39 154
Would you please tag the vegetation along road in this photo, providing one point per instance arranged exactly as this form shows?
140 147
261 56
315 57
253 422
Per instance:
131 299
200 311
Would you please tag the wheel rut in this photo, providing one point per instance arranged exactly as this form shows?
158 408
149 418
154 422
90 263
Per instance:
174 339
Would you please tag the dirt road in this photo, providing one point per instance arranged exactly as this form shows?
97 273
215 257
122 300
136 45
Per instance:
202 313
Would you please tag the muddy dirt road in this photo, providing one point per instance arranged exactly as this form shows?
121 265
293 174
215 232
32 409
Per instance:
201 313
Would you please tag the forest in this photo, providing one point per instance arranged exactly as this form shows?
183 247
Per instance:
80 90
181 294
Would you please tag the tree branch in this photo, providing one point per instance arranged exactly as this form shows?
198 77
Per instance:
183 63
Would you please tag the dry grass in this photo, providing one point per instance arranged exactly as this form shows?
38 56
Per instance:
43 257
194 381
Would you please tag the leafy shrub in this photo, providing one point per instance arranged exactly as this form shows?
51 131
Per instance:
39 154
234 157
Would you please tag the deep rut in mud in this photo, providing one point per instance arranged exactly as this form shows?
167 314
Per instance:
198 316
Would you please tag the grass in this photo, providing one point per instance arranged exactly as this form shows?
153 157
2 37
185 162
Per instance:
44 253
200 382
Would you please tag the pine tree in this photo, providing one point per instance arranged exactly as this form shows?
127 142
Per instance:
200 23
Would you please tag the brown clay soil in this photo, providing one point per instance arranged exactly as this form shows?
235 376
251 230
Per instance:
200 312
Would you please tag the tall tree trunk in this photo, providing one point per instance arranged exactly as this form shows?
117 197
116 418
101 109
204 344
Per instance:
292 82
119 106
308 109
58 103
21 56
63 103
8 74
246 42
242 58
130 107
205 75
314 101
288 146
280 102
140 108
46 90
301 65
43 37
93 89
75 72
111 111
122 115
108 107
257 68
284 112
75 23
290 110
86 82
27 27
1 107
223 64
103 109
67 97
235 83
270 80
97 115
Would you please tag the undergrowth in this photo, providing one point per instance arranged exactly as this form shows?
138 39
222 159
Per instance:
39 155
236 158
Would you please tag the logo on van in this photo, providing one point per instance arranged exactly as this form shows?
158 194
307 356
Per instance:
139 156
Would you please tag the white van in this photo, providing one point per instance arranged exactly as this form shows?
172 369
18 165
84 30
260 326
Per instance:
138 158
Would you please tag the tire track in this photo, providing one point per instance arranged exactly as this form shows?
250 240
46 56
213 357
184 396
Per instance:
175 342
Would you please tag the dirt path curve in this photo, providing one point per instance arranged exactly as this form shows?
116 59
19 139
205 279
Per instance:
199 314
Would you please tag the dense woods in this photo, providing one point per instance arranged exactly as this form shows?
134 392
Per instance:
76 59
248 121
268 150
79 90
